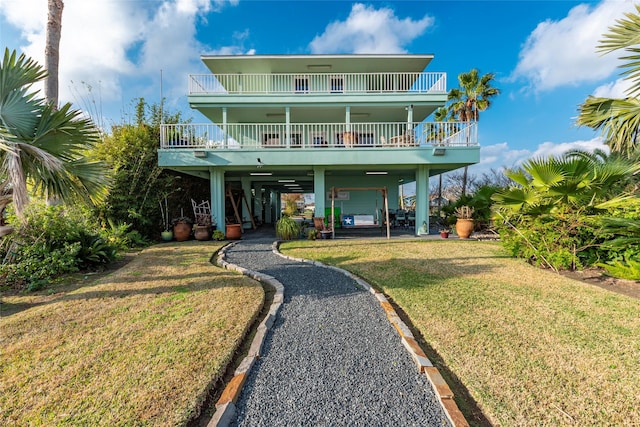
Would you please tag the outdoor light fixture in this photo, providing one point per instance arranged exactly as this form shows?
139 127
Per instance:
376 173
261 173
200 153
286 180
438 151
291 185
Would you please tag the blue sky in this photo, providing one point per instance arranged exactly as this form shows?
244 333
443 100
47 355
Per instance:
542 52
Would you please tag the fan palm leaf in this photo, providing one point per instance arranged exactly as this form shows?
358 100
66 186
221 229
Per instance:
41 147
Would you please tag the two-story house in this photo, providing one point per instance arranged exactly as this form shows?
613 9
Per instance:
354 124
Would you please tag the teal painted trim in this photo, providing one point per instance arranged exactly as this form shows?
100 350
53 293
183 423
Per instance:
454 158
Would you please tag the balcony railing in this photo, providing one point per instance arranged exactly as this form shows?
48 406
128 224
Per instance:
318 135
318 83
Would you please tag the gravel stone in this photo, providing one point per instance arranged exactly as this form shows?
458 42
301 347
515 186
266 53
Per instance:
331 358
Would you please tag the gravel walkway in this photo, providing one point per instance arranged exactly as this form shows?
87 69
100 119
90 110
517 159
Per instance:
331 357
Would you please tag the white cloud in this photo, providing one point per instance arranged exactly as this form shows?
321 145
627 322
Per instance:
563 52
105 42
615 89
500 156
369 30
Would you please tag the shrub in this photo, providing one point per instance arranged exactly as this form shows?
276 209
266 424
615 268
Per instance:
50 241
287 228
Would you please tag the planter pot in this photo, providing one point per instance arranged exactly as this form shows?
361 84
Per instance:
182 231
167 236
202 232
444 234
234 231
464 228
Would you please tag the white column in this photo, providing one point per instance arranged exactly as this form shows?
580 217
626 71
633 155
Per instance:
287 115
224 127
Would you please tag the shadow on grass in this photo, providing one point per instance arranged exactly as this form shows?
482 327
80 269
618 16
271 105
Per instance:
123 274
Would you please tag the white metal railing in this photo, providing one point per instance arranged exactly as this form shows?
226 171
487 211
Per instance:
317 83
318 135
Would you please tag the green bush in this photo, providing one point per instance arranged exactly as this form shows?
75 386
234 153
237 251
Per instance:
51 241
287 228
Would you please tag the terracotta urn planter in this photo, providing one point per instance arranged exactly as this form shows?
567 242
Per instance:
182 231
202 232
464 228
234 232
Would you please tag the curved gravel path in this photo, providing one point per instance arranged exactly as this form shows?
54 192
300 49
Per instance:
331 357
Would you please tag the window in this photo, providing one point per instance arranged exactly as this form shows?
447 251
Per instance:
270 139
295 140
301 84
336 84
366 138
319 139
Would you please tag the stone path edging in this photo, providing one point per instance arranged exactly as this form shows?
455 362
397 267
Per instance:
424 365
225 407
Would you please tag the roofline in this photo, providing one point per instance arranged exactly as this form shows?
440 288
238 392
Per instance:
321 56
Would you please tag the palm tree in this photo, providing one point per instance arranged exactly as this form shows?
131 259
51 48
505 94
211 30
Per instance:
52 50
473 96
574 181
618 119
43 148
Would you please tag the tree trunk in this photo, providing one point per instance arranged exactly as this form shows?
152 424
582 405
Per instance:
52 51
464 181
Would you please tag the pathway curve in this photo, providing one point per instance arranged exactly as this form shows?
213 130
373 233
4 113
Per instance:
331 357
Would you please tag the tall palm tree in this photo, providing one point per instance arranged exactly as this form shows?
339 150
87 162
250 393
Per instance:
619 119
43 148
52 50
473 96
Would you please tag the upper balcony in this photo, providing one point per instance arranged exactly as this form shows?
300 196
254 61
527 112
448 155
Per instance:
318 83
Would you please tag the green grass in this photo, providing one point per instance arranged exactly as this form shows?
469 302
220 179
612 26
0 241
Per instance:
532 347
141 346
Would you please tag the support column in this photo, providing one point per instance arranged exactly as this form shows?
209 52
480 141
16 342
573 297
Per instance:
277 204
422 200
216 186
257 202
287 125
245 214
225 140
268 206
319 190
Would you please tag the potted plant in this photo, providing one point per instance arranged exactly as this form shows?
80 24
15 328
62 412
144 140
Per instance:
202 227
287 228
234 231
218 235
166 234
464 222
444 233
182 228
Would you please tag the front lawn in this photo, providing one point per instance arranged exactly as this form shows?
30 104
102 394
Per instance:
141 346
533 347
